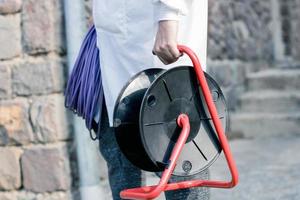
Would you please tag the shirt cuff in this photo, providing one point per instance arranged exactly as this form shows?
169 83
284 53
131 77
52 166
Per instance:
164 12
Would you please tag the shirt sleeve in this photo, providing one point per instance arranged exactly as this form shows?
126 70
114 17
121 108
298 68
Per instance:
169 9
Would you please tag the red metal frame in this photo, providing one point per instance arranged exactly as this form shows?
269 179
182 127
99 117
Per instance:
151 192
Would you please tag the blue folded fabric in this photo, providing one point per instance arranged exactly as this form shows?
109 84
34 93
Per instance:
84 91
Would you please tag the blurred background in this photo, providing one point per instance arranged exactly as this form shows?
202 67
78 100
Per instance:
46 153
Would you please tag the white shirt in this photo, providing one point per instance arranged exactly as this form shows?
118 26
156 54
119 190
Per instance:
126 32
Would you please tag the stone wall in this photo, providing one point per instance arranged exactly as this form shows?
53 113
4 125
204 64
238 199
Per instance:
239 41
240 29
295 30
35 137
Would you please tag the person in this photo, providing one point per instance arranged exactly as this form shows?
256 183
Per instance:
129 35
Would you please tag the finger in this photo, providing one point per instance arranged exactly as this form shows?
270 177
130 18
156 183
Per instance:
175 52
159 56
164 55
169 56
163 60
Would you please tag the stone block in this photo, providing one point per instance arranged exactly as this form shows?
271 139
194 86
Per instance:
25 195
10 171
264 125
46 168
10 36
270 101
5 82
49 118
295 25
274 79
231 76
38 77
10 6
15 127
232 95
54 196
228 73
43 26
221 72
8 196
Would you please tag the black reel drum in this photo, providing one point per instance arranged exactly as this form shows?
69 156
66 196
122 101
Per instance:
145 120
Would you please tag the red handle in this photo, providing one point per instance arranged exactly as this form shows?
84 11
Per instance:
216 121
151 192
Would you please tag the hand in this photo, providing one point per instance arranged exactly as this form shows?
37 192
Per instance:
165 46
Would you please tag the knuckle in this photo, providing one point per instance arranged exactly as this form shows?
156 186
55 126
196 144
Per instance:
169 45
173 45
165 46
158 49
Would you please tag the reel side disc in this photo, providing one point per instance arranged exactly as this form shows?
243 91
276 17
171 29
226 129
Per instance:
126 116
174 92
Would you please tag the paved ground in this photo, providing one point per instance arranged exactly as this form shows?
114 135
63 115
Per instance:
269 170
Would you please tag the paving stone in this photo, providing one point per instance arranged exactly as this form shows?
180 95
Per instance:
38 77
43 26
10 6
46 168
268 170
15 127
10 36
49 118
10 171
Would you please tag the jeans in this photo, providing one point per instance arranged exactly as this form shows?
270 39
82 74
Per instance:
124 175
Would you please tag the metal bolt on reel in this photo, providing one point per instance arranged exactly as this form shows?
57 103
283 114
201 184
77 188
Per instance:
149 130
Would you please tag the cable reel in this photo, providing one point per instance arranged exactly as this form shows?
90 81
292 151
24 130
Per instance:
145 120
173 121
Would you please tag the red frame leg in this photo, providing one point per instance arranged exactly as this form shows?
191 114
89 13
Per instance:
151 192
